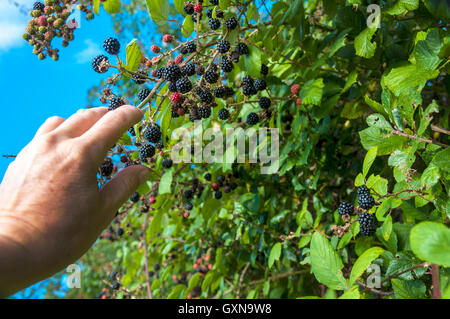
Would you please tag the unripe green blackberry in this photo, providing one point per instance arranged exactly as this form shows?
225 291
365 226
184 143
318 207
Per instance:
214 24
231 23
223 114
366 201
145 152
115 102
223 46
97 61
152 133
135 197
183 85
211 76
167 163
252 118
346 208
143 94
111 46
242 49
264 102
260 85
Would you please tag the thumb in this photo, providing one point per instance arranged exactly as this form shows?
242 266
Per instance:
122 186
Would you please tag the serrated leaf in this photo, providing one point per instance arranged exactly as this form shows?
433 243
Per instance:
112 6
133 55
369 159
430 241
364 46
363 262
165 183
311 92
275 254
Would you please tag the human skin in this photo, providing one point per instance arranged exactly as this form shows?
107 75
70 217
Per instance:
51 208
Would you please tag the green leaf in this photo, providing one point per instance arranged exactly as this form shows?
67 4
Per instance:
401 79
177 292
311 92
375 105
438 8
326 263
378 120
402 5
386 229
369 159
112 6
430 241
363 262
426 52
253 62
383 209
179 6
350 80
275 254
364 46
442 160
430 176
408 289
373 136
96 5
159 10
165 182
134 56
188 26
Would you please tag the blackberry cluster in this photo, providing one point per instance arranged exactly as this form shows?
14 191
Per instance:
167 163
211 76
223 46
204 112
260 85
214 24
111 46
231 23
145 152
346 208
143 94
252 118
107 167
188 69
152 133
115 102
223 114
140 77
183 85
226 65
264 102
242 49
172 73
96 63
366 224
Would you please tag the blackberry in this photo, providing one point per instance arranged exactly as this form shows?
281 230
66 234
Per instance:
167 163
223 114
209 13
194 17
96 63
214 24
247 80
249 90
211 76
107 167
188 206
214 2
193 115
226 65
233 186
115 285
119 232
132 131
219 14
346 208
188 69
219 91
366 224
111 46
175 114
204 112
242 49
231 23
140 77
218 194
223 46
208 177
159 73
363 190
229 92
220 179
206 97
135 197
172 73
38 6
264 102
366 201
213 66
191 47
188 8
152 133
188 194
115 102
146 152
183 85
159 145
143 94
260 85
264 70
172 87
252 118
113 275
227 188
234 56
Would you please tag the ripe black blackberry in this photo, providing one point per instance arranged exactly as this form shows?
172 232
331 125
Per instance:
206 97
183 85
107 167
252 118
214 24
218 194
219 91
223 114
132 131
188 194
159 73
211 76
191 47
96 63
220 179
260 85
214 2
234 56
362 190
226 65
115 102
172 73
264 70
213 66
366 201
188 206
264 102
145 152
223 46
231 23
208 177
242 49
113 275
175 114
209 13
229 92
188 69
152 133
140 77
135 197
366 224
247 80
233 186
188 7
167 163
249 90
38 6
159 145
172 87
204 112
227 188
346 208
194 17
143 94
115 285
119 232
111 46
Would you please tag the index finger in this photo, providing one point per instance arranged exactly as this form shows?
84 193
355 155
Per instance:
105 133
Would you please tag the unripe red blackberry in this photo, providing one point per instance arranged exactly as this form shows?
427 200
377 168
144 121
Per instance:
298 102
231 23
295 89
215 186
198 8
175 98
186 214
42 21
111 46
252 119
179 59
155 49
152 200
167 38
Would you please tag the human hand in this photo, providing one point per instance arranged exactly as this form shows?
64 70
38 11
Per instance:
51 208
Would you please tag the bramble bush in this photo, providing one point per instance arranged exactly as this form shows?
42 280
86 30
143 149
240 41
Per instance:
359 207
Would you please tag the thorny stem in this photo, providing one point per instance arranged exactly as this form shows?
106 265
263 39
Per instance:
421 139
425 264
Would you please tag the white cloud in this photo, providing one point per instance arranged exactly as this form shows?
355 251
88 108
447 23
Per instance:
13 23
91 50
